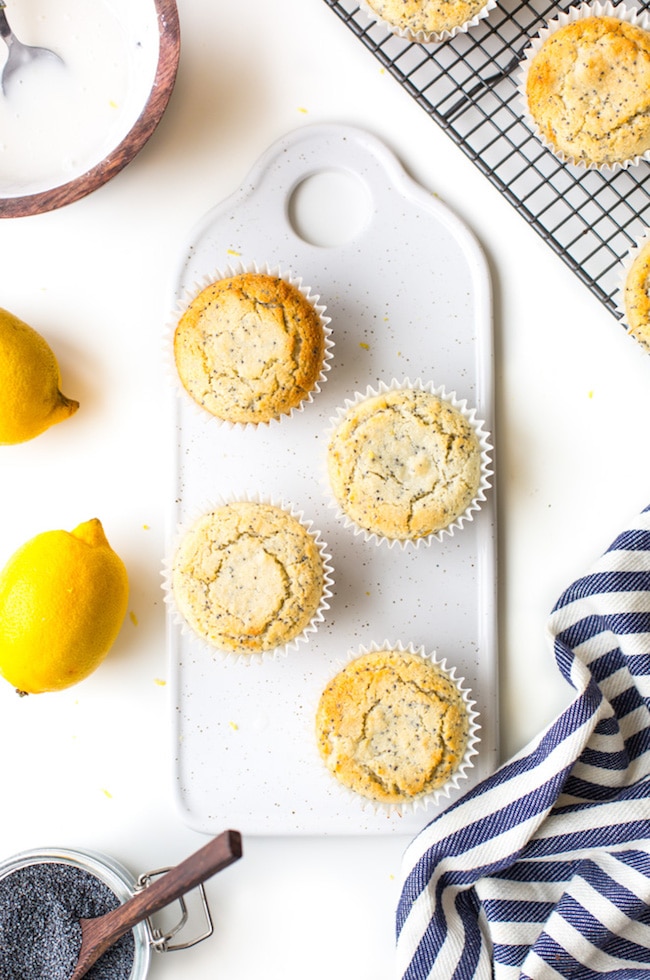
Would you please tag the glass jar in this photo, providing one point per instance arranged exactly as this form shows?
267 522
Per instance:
123 885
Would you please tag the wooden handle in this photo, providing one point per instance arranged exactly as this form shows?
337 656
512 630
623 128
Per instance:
100 933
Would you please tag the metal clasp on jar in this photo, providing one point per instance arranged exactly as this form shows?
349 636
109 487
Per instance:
161 940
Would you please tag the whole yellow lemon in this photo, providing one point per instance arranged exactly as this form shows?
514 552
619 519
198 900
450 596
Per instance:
30 399
63 598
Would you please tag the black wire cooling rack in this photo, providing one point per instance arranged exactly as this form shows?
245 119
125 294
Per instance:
468 85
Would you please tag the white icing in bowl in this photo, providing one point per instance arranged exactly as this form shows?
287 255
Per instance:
59 122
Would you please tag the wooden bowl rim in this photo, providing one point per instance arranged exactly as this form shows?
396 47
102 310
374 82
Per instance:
135 139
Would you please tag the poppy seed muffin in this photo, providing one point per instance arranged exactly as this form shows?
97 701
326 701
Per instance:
588 90
250 348
404 464
429 17
392 726
637 296
248 577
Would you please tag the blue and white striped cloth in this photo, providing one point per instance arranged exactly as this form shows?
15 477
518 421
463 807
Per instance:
543 870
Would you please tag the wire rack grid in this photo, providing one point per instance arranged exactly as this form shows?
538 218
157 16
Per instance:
469 86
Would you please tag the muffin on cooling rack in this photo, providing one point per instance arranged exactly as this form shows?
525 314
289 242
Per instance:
634 297
428 21
252 347
394 725
586 86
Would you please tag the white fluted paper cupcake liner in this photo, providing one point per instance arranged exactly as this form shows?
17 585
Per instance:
630 15
248 656
422 36
226 273
349 797
641 248
486 471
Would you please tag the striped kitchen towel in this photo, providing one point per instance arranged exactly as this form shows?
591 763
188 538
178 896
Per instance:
543 869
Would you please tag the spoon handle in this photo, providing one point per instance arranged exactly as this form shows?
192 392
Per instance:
100 933
5 30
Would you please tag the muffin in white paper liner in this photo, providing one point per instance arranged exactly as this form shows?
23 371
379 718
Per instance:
386 743
376 480
197 390
618 161
289 624
632 296
413 24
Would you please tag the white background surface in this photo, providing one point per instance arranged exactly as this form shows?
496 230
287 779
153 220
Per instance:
92 766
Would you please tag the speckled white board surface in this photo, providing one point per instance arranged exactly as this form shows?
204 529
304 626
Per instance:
408 297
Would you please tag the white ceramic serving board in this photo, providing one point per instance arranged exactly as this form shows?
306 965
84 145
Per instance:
408 297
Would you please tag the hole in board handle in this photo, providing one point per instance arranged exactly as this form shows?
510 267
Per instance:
329 208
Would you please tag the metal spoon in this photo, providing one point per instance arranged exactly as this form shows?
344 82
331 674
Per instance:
19 54
100 933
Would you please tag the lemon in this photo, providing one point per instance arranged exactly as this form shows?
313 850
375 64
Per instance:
30 399
63 598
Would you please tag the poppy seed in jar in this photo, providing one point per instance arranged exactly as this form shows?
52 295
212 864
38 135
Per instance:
40 933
